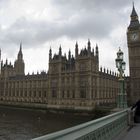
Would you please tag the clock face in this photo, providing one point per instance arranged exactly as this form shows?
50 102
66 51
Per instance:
134 37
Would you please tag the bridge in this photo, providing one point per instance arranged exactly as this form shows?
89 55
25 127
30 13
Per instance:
116 126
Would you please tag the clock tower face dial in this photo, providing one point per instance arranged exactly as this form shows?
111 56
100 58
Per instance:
134 36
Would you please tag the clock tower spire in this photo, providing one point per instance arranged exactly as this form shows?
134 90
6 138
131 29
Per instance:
134 23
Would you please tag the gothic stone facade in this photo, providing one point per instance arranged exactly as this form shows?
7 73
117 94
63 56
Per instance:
71 83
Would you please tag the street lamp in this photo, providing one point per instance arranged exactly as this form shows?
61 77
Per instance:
120 64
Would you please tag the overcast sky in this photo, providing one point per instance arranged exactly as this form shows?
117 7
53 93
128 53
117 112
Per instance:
39 24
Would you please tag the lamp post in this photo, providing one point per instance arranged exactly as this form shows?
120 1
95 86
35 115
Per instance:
120 64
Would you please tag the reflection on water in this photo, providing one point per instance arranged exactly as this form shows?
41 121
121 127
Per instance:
20 124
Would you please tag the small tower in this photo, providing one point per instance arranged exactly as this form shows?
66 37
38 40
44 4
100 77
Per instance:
19 65
96 51
101 68
50 54
1 64
76 49
97 57
60 51
93 51
69 55
89 47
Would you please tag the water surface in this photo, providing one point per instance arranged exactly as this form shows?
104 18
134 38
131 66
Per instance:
21 124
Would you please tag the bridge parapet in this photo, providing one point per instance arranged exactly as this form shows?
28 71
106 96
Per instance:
105 128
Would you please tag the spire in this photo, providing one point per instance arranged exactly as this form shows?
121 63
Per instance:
89 46
0 55
6 62
133 14
97 52
1 64
60 51
19 65
50 54
69 56
76 49
20 55
101 68
20 46
88 43
134 23
76 45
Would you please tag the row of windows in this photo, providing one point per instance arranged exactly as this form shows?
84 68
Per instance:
54 83
65 94
107 94
109 83
104 93
26 84
26 93
83 94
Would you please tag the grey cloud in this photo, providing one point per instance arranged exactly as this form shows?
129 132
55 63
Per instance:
90 19
98 5
95 19
39 32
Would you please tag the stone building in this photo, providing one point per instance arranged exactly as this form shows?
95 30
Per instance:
74 83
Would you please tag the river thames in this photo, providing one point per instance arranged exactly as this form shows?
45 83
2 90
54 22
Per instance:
23 124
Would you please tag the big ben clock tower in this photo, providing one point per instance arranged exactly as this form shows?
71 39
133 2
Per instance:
133 40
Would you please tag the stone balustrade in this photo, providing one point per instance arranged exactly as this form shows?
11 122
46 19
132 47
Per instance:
105 128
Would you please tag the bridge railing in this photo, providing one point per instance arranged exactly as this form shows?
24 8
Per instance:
105 128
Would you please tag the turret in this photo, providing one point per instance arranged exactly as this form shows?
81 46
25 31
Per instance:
50 54
76 50
60 51
89 47
100 69
69 55
96 51
93 51
97 57
1 64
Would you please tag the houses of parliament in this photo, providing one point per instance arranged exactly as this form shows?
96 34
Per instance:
72 82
